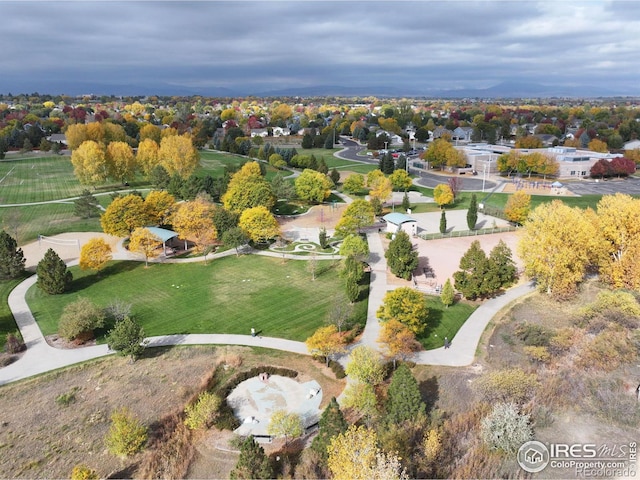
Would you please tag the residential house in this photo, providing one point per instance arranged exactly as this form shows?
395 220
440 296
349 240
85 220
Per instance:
462 134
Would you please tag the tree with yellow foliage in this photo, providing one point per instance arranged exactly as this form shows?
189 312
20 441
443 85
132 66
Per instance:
95 254
557 246
124 215
398 340
326 341
178 155
151 132
76 135
355 455
247 189
597 145
381 188
143 241
259 224
121 160
443 195
90 164
194 221
160 206
619 229
518 206
147 156
400 180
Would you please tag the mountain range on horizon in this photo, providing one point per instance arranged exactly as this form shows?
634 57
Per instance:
506 89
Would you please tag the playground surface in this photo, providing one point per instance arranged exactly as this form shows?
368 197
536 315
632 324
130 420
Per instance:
254 401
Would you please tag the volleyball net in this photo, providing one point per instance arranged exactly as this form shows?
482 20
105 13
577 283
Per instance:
64 242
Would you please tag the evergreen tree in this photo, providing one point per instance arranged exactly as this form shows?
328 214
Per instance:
388 164
334 176
323 238
502 267
404 400
447 296
352 289
332 423
474 267
322 166
252 463
401 163
401 257
159 177
443 222
11 257
406 205
307 141
328 142
53 276
472 213
86 206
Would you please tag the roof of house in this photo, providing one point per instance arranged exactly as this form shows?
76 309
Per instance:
398 218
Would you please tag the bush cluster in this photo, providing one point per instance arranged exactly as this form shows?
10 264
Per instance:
533 335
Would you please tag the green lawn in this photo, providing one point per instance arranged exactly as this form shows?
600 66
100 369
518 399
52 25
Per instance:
7 323
229 295
443 322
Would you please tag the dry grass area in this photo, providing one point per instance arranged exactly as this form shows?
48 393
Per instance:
573 403
42 435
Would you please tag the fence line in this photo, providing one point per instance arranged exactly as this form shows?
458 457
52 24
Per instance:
466 233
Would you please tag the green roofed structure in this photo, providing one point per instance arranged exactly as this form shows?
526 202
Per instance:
400 221
164 235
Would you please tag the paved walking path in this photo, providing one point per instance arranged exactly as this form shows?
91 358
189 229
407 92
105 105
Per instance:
40 357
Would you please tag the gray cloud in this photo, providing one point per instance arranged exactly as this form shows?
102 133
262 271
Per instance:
276 44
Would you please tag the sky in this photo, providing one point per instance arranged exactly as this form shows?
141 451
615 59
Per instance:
258 46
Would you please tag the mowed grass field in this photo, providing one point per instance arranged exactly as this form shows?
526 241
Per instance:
229 295
443 321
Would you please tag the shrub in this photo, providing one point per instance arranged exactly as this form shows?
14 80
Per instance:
533 335
80 318
66 399
616 300
127 435
505 428
14 343
563 339
608 350
512 385
202 412
337 369
538 354
82 472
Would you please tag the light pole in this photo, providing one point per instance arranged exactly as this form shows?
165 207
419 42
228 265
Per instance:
385 147
484 176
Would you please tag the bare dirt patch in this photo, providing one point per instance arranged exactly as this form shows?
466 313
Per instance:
53 422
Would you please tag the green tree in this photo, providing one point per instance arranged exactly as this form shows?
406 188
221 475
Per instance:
124 215
312 186
474 267
406 305
282 188
365 365
443 222
331 424
357 215
127 338
334 176
472 213
448 295
127 435
252 462
12 259
86 205
79 319
406 205
404 402
502 267
352 289
354 183
401 257
285 424
53 276
354 246
307 141
234 238
361 397
323 238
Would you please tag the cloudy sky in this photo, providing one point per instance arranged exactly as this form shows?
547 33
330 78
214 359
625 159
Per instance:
251 46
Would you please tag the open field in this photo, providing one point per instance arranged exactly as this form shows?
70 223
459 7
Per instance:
229 295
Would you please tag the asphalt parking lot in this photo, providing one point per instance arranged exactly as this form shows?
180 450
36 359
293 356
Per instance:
630 186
